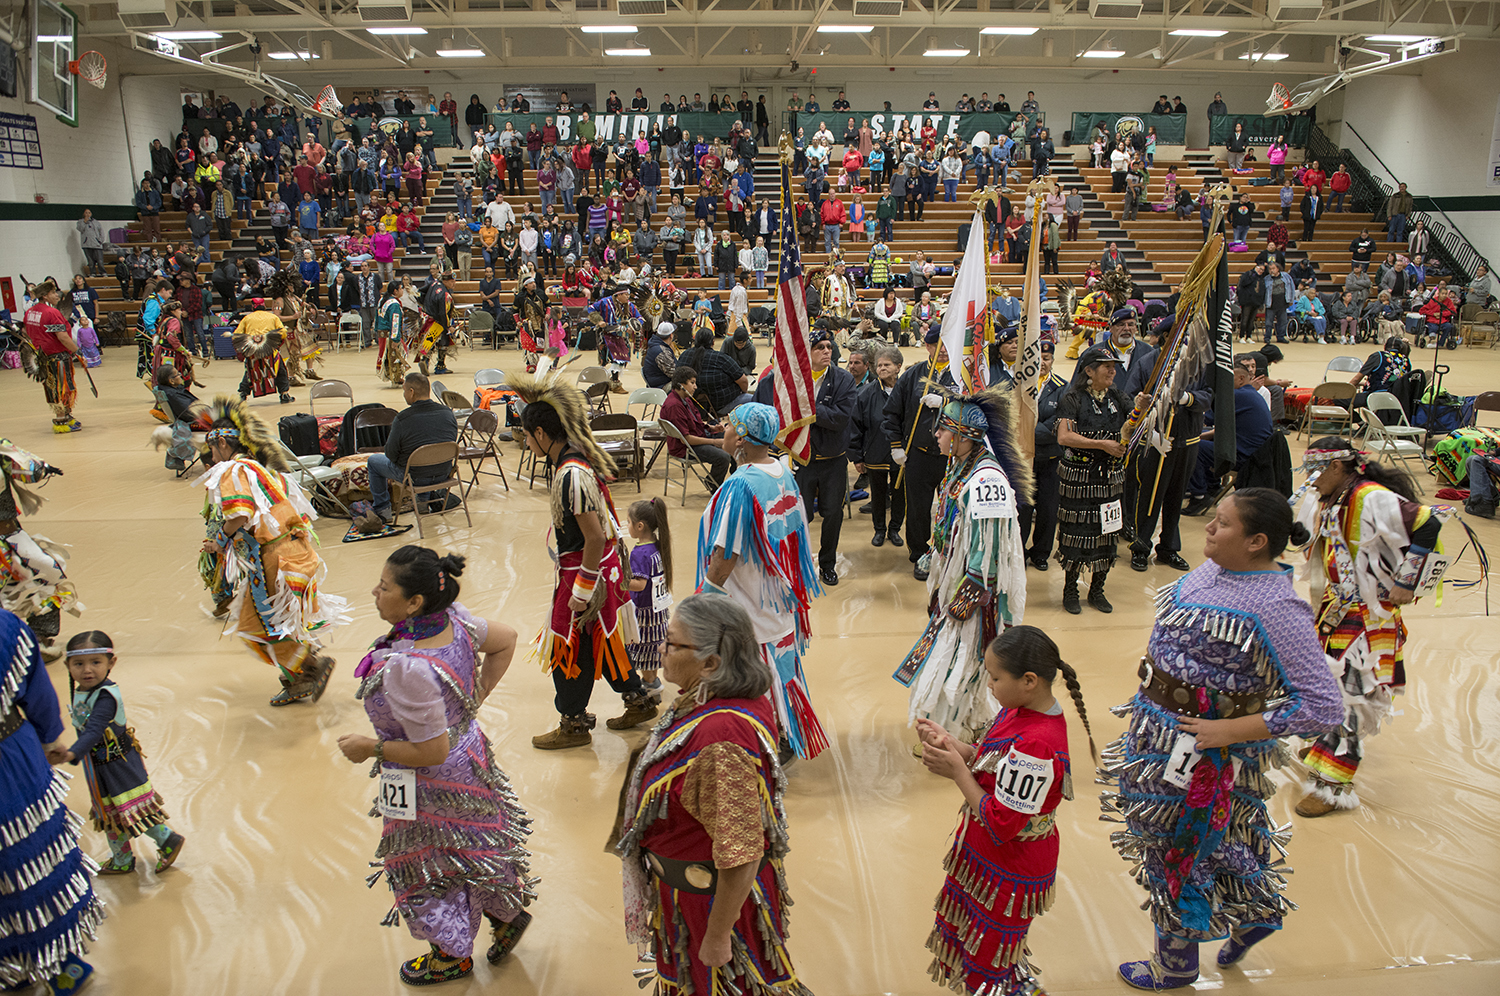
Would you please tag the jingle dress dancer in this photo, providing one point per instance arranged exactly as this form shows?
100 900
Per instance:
752 546
977 583
1233 664
47 900
453 840
592 619
704 825
33 583
265 545
1371 541
1091 476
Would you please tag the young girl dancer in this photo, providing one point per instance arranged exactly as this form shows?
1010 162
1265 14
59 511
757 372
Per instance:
1004 858
124 803
651 587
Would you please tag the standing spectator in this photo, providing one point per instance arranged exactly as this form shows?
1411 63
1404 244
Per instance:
1418 241
1312 210
281 219
92 239
1073 209
1217 106
1235 145
1397 207
1119 165
1241 216
726 259
833 216
1278 296
223 209
369 300
1339 184
950 170
762 121
449 109
1276 157
1041 155
309 214
198 226
148 211
1249 295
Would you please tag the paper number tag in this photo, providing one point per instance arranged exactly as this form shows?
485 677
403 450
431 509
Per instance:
398 794
1022 781
1111 517
1432 573
661 598
990 496
1183 759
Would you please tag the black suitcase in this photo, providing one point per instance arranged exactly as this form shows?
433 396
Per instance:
300 433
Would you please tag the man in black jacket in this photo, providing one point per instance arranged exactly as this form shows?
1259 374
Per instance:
1251 295
910 427
422 421
762 121
824 479
744 108
870 450
1039 521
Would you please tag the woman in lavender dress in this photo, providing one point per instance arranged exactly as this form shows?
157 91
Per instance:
452 847
1233 664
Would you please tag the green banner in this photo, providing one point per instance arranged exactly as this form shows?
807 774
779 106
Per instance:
442 132
1171 129
1260 130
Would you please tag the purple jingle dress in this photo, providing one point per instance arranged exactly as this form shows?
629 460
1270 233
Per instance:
1208 855
464 855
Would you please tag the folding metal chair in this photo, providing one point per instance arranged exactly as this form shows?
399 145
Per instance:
434 455
373 418
1380 442
689 461
316 480
477 444
329 389
619 438
1323 407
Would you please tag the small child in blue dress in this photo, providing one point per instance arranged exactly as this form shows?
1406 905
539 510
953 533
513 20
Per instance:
124 803
651 587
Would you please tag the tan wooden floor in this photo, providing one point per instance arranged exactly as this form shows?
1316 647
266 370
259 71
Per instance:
269 897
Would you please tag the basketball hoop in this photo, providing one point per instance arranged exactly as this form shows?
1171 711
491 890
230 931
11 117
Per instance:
90 67
328 102
1280 98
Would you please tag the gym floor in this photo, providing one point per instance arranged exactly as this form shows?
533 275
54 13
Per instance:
269 896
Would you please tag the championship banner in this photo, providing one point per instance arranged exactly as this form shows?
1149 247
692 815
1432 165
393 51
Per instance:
1171 129
1259 129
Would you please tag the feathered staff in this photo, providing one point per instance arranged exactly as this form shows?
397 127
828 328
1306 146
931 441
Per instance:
1189 349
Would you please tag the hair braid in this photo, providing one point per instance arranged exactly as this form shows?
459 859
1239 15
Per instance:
1070 678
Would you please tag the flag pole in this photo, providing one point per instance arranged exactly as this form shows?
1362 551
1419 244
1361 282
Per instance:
1029 360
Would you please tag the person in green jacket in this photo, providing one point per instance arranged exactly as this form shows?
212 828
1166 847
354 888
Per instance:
584 127
885 214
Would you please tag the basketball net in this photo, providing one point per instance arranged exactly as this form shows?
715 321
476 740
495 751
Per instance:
328 100
1280 99
91 68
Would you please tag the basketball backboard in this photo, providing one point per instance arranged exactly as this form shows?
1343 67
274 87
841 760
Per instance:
54 33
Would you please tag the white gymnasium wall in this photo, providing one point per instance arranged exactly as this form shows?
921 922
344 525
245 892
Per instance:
88 166
1433 131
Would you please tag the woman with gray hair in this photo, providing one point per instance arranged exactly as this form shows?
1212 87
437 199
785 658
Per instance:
703 821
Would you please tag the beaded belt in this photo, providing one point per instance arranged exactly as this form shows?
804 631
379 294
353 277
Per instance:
1181 697
698 877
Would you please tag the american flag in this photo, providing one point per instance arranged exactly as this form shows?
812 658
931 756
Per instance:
791 358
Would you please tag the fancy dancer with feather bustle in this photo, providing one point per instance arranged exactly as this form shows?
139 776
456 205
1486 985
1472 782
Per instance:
1002 867
258 340
1233 664
390 361
265 543
453 837
703 828
591 620
753 547
1375 547
33 583
1091 476
977 584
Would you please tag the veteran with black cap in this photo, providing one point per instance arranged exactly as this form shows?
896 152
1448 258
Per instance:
910 425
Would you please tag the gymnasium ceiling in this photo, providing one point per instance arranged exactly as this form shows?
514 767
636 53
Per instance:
780 40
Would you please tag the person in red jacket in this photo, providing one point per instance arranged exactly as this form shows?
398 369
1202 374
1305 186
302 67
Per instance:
1441 312
853 163
54 344
1315 177
833 217
1339 183
449 109
583 161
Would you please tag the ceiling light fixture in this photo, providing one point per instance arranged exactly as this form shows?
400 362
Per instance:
1103 53
628 52
607 29
290 56
461 53
1262 56
1002 30
406 29
188 35
1198 33
946 53
1395 39
845 29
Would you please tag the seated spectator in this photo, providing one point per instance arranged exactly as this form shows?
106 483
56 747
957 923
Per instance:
725 385
683 412
1441 312
741 348
660 361
1309 308
1484 469
423 421
1385 367
1346 313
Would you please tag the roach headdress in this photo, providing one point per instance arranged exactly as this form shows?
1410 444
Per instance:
254 436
